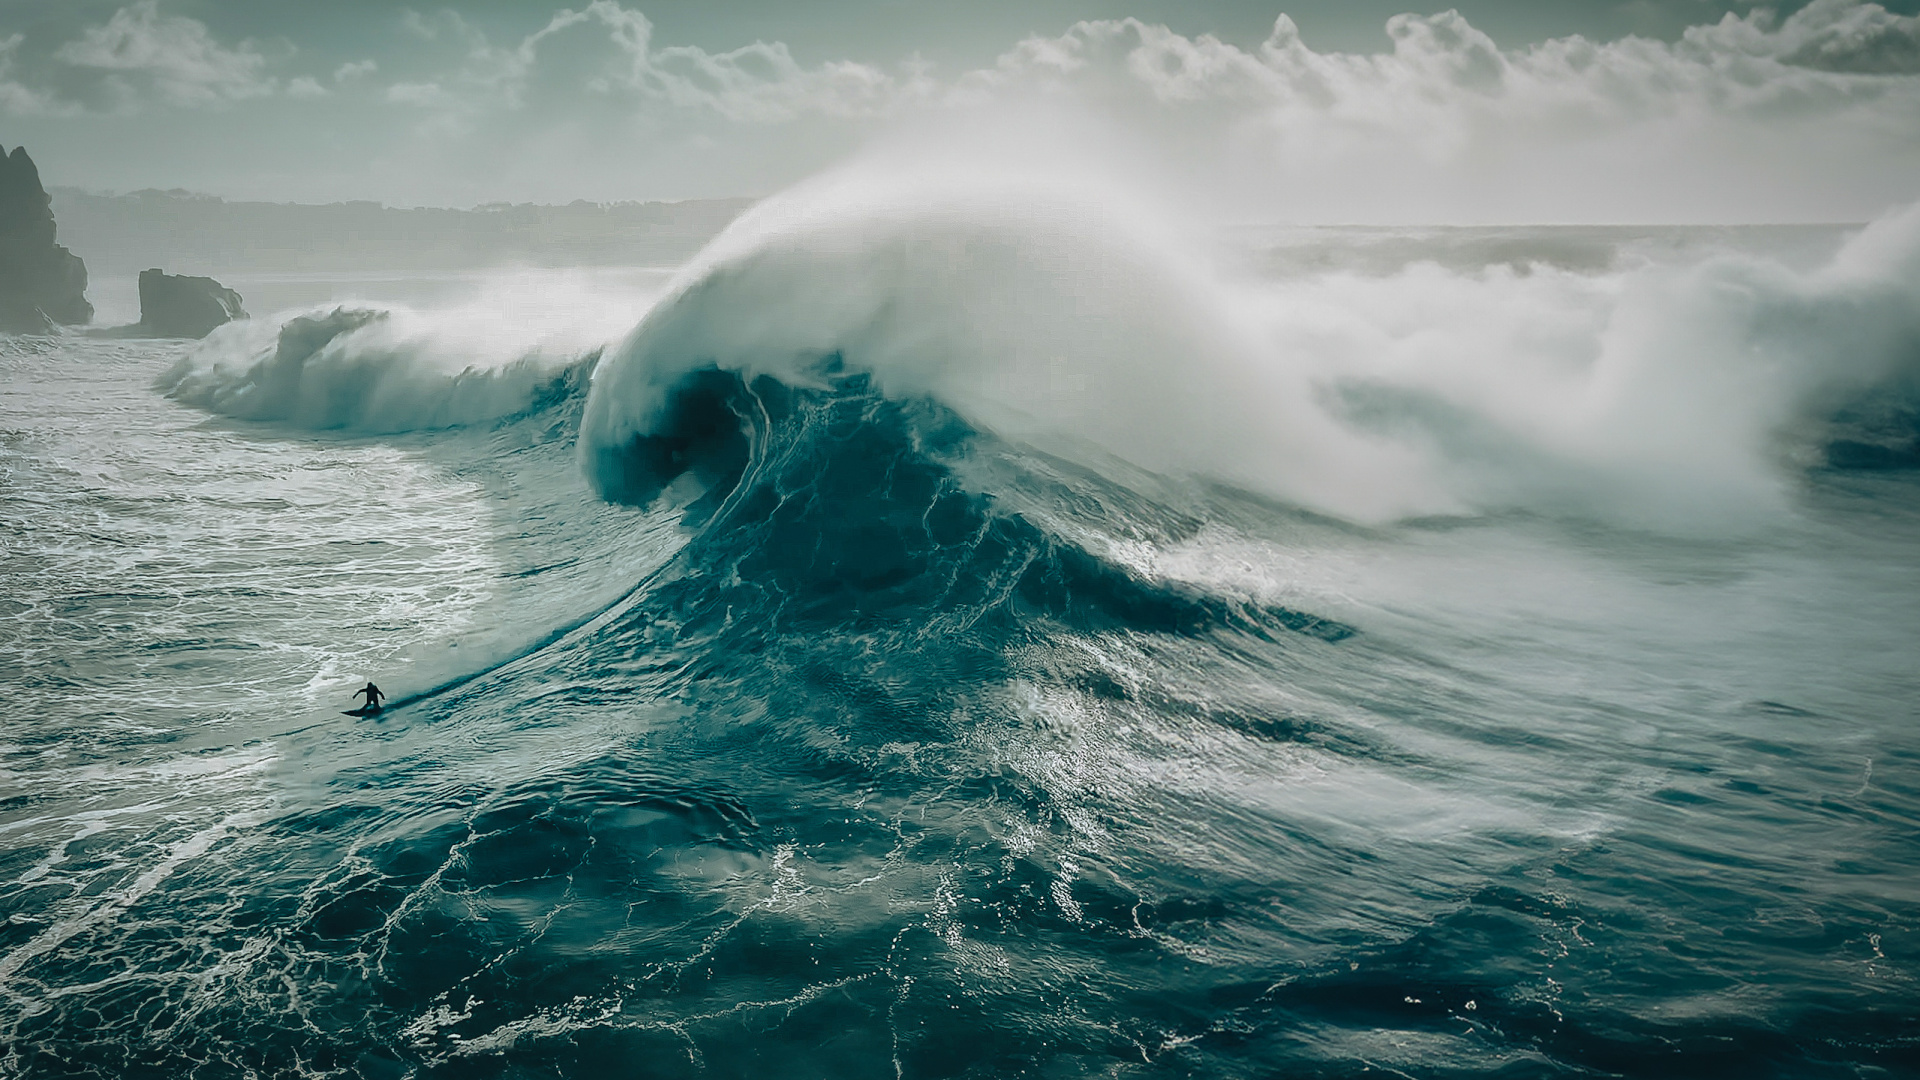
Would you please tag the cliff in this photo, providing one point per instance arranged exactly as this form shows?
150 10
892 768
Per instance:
41 283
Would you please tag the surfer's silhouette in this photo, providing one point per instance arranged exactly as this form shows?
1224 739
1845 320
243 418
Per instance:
373 695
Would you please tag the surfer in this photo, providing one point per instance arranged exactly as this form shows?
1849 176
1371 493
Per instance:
372 694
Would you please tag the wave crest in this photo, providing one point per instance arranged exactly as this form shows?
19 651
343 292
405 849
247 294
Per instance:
1664 395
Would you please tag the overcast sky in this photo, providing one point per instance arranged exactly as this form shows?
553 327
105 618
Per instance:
1315 110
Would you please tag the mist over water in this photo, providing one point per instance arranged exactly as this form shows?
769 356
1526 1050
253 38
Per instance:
975 625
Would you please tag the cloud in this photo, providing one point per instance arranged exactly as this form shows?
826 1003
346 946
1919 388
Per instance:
1838 35
1441 64
16 98
171 56
424 95
1816 114
1750 118
756 83
1441 80
1744 111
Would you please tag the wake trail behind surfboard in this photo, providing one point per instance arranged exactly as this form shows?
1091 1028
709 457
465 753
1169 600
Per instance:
584 625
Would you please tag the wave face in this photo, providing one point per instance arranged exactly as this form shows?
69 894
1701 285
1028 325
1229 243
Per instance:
974 637
851 514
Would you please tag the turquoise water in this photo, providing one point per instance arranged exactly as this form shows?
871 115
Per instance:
819 722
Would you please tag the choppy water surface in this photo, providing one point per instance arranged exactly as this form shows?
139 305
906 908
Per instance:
806 716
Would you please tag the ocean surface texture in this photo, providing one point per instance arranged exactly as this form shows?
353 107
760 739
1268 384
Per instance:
976 643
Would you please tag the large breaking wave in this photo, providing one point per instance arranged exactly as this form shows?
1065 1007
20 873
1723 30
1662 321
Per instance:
1682 396
899 407
976 697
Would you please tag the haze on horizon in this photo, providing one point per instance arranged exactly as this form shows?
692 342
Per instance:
1652 111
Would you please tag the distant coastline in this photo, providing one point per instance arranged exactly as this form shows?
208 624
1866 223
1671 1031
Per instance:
203 234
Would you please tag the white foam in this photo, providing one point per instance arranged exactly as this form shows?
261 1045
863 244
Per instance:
1028 307
382 367
1063 311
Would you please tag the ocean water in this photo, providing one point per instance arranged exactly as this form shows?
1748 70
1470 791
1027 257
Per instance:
982 639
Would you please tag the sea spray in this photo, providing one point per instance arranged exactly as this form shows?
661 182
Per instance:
1674 397
519 340
1043 314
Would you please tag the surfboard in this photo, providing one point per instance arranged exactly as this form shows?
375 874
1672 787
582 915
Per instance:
363 710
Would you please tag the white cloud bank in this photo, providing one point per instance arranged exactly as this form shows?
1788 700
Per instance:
354 69
1751 118
1832 54
757 83
145 52
16 98
1749 113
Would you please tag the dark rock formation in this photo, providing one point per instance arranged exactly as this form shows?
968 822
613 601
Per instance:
179 306
41 283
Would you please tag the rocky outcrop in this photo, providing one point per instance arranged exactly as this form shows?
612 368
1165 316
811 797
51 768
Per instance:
41 283
179 306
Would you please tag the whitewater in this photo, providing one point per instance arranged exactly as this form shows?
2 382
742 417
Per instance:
979 630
